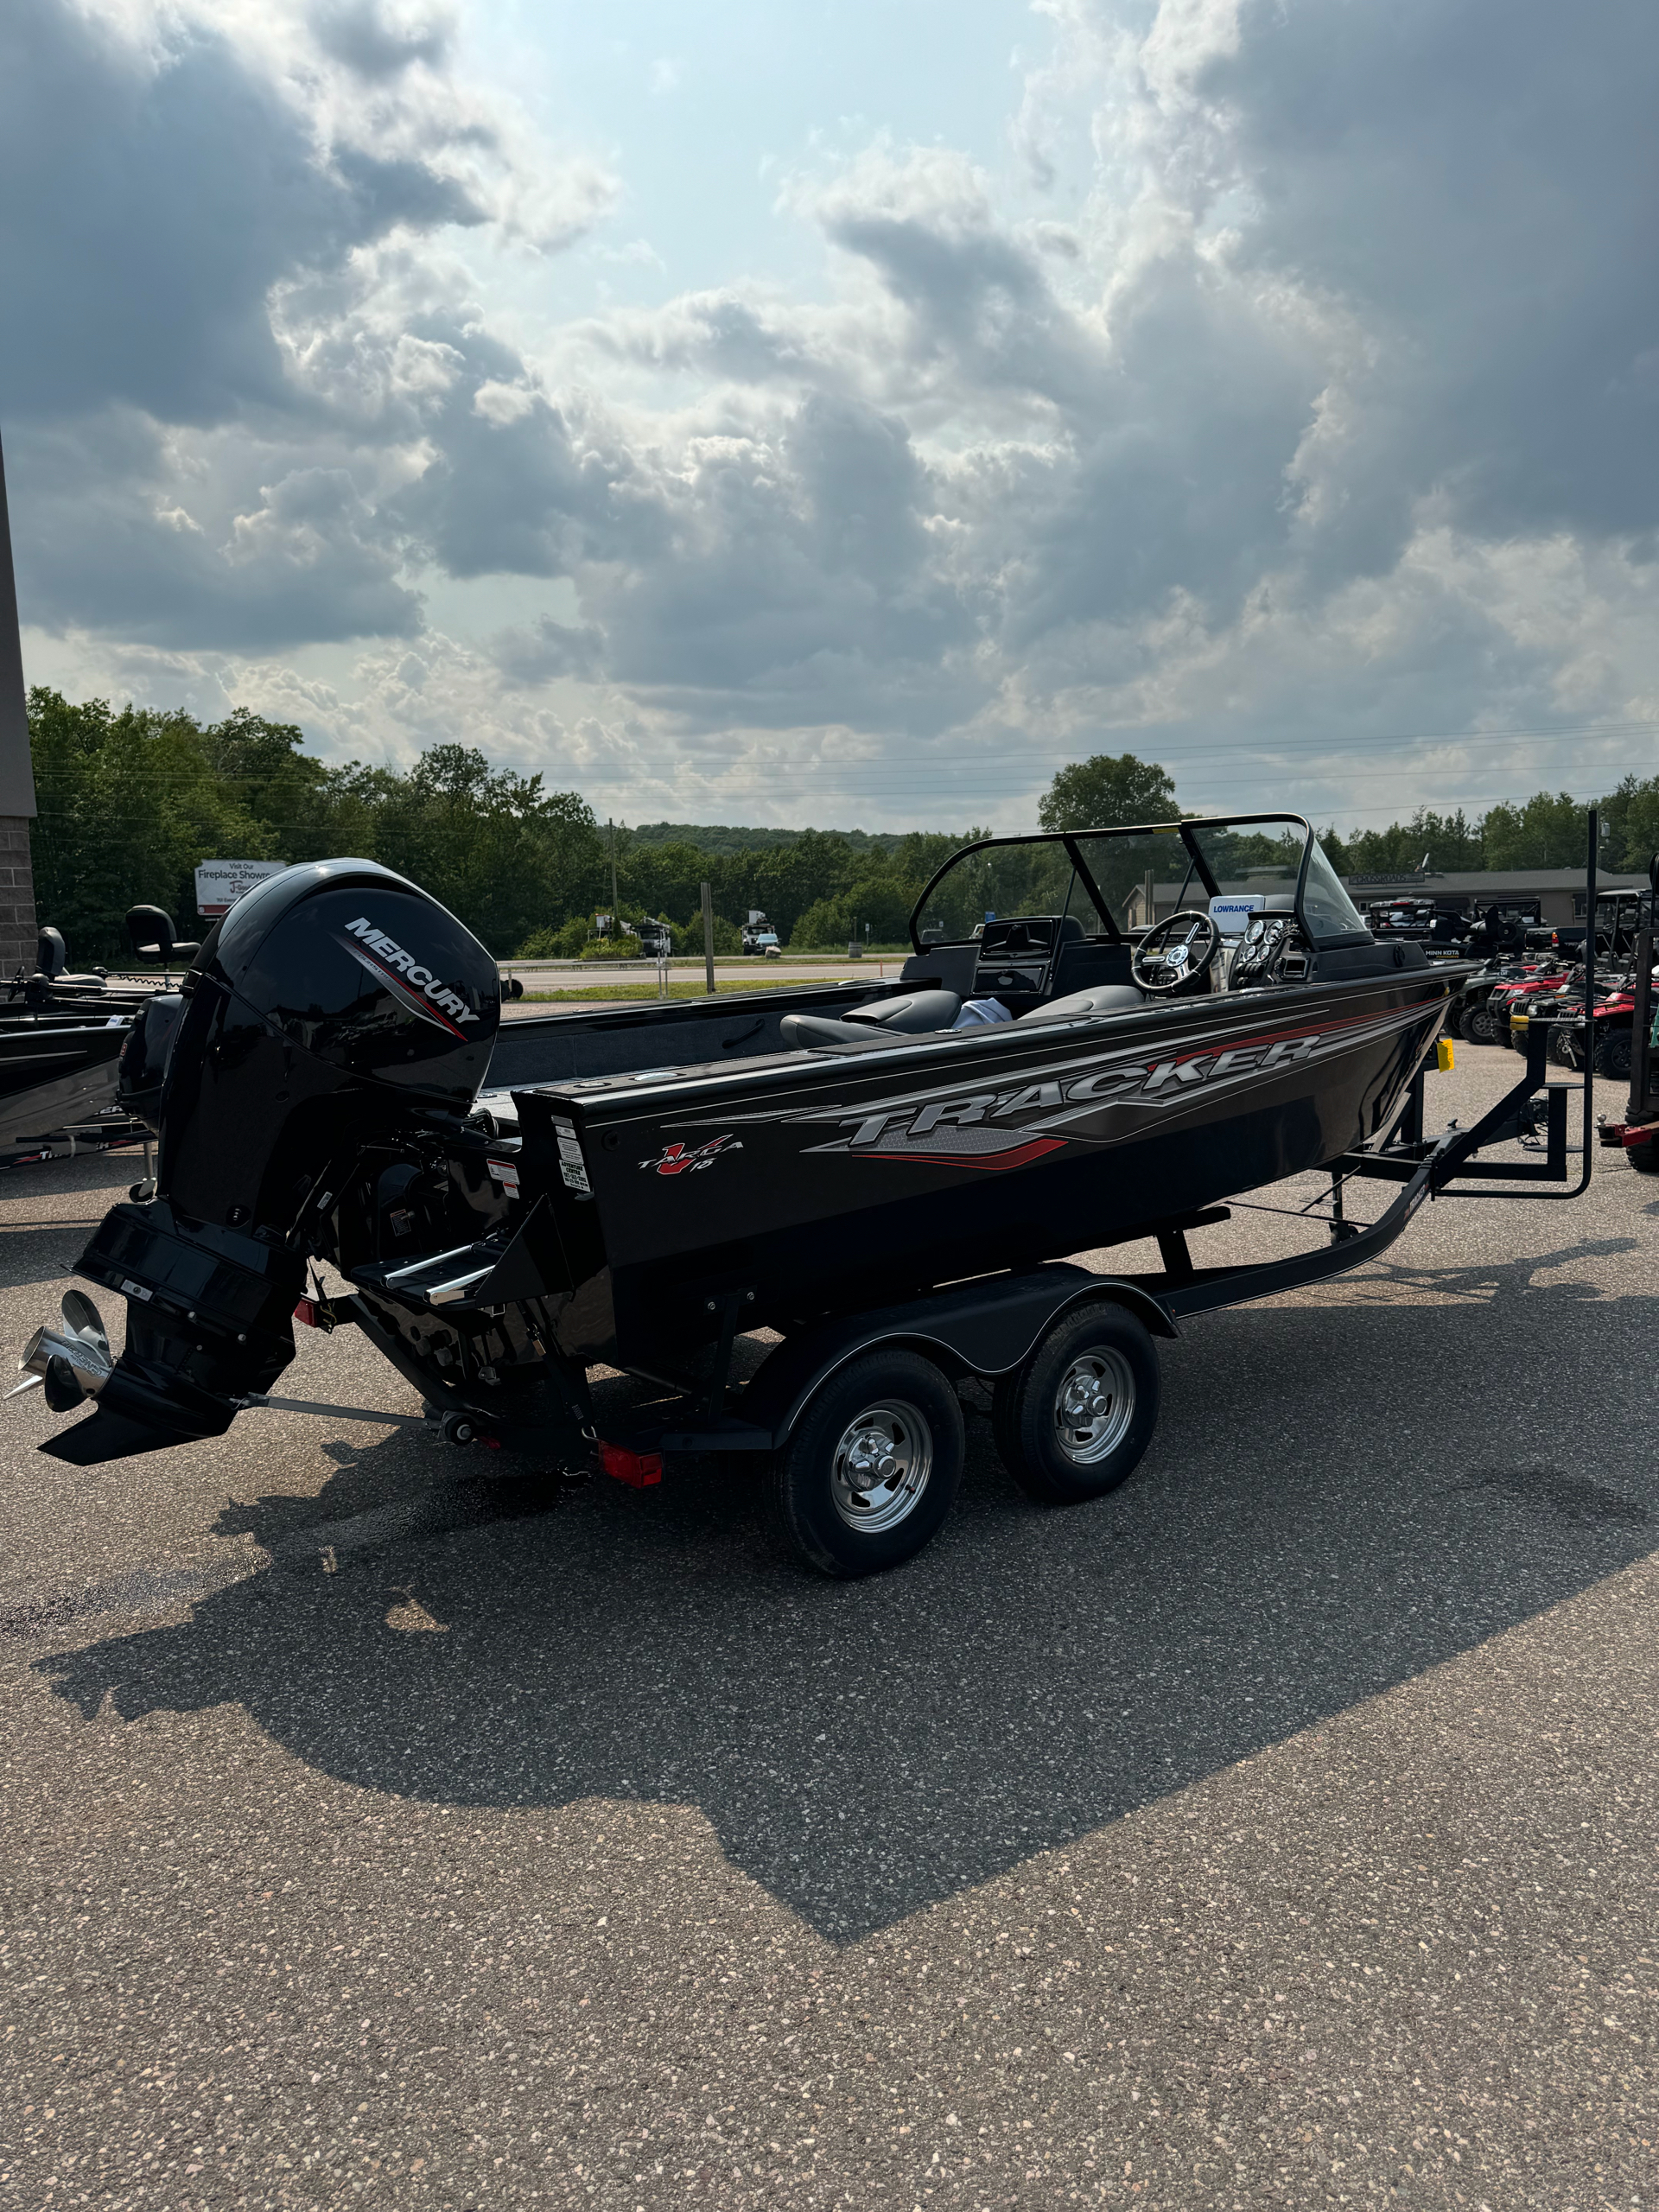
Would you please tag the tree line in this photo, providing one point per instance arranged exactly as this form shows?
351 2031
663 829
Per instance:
130 800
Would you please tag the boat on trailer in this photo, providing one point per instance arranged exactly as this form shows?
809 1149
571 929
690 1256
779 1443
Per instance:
61 1038
890 1180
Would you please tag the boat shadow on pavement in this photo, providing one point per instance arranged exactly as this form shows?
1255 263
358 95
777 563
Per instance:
1339 1496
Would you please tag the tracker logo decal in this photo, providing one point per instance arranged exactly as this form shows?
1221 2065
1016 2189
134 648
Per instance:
417 986
1101 1102
963 1130
1062 1099
675 1160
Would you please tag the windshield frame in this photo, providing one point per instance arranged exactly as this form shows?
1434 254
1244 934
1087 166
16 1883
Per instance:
1068 838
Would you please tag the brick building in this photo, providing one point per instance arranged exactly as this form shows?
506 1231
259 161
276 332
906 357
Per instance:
17 774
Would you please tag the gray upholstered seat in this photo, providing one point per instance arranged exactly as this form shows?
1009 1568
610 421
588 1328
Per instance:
1105 998
913 1013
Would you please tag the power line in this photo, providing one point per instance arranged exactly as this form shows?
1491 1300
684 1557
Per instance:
1256 747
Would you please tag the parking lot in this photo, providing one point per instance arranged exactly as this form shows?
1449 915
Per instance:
1278 1832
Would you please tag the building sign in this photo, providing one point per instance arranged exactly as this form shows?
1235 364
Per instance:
219 884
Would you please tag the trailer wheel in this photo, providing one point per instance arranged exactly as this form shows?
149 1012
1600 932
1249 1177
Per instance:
1073 1422
871 1468
1479 1023
1613 1057
1645 1158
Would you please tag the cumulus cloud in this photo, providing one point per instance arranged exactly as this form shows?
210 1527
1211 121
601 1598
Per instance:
1328 405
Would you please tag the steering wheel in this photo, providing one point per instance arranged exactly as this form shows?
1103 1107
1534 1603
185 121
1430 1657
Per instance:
1175 953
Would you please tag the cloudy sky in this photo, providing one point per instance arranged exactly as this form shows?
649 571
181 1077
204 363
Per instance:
849 410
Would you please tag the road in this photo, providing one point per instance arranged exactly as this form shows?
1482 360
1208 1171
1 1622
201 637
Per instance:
585 975
1279 1832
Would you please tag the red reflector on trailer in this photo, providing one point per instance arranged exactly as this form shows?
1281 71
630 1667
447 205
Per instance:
639 1470
306 1311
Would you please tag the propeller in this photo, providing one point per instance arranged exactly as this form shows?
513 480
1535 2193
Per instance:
70 1363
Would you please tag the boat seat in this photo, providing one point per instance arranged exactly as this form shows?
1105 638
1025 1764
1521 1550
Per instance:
1105 998
914 1013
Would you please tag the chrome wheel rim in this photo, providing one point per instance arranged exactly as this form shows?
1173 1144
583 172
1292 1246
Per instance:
1094 1405
881 1467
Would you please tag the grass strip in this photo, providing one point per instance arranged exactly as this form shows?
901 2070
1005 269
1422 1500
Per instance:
648 990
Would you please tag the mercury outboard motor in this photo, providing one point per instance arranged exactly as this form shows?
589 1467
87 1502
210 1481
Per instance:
334 1004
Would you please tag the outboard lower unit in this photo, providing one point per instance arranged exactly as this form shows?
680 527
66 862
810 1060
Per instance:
336 1023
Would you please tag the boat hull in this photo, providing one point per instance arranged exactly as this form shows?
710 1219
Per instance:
808 1179
52 1073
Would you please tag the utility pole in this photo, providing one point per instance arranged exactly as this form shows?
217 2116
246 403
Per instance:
614 903
17 774
708 937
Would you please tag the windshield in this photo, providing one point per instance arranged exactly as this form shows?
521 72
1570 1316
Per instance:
1117 880
1026 875
1264 859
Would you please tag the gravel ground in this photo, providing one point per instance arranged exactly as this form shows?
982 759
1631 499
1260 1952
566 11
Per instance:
1279 1832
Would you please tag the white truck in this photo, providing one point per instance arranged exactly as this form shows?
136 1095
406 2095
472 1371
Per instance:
760 937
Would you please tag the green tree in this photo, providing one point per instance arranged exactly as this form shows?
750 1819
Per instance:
130 803
500 852
1445 842
1547 831
883 900
1108 792
1630 819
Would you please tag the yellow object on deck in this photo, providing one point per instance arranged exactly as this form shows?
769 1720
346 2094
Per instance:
1443 1055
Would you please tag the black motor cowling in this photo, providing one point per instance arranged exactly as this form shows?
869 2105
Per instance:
334 1005
142 1065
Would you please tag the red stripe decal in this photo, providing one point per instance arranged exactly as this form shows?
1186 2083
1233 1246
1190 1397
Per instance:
1018 1156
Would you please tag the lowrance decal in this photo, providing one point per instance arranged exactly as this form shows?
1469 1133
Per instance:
416 986
572 1167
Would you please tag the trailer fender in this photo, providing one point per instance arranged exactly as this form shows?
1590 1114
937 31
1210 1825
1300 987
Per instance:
982 1328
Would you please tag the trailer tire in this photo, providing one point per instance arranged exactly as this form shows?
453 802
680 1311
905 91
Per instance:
1613 1057
1101 1355
892 1415
1645 1158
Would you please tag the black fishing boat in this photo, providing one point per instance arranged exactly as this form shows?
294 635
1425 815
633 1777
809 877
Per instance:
56 1068
888 1176
62 1036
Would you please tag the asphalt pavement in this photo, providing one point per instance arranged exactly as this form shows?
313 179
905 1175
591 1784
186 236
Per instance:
1278 1832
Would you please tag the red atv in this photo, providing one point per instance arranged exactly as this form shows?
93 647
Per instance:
1610 1046
1484 1011
1551 988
